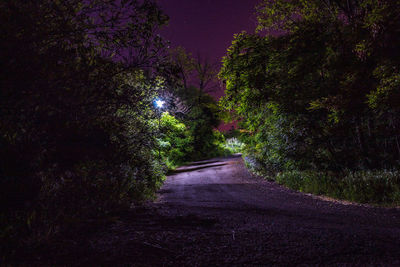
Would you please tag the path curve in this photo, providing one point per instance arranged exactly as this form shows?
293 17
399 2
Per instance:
258 223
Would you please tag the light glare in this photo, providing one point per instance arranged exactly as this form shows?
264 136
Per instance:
159 103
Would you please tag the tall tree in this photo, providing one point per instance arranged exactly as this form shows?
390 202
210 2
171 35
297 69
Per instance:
205 73
183 65
77 82
197 71
310 95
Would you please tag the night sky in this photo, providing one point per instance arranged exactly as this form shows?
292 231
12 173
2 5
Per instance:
207 26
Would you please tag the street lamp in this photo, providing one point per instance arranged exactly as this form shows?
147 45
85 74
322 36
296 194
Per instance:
159 104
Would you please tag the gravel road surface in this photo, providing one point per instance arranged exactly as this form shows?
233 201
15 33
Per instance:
215 213
244 220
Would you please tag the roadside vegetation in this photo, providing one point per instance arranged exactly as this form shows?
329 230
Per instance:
192 135
80 137
378 187
232 141
318 99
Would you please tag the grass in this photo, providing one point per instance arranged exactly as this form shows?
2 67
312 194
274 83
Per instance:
372 187
377 187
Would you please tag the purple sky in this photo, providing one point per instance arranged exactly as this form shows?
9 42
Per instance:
207 26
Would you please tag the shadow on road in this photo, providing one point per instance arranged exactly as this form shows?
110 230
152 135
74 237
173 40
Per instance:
203 164
189 169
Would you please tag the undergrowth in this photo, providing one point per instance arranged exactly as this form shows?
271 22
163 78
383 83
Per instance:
380 187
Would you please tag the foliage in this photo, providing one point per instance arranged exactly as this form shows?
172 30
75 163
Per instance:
174 141
77 82
182 65
190 136
185 92
234 145
314 94
322 95
201 121
377 187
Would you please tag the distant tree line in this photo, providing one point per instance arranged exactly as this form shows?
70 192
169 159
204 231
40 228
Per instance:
188 101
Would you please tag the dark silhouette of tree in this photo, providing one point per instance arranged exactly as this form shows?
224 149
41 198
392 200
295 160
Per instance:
77 83
183 65
206 74
196 71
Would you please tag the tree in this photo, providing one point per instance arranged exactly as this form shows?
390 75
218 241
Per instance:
77 84
175 141
188 100
308 95
205 73
182 64
193 71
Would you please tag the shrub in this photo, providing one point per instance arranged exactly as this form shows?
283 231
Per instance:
378 187
174 141
234 145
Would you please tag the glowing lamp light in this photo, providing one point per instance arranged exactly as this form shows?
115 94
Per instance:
159 103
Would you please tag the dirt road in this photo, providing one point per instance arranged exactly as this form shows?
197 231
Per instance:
237 219
214 213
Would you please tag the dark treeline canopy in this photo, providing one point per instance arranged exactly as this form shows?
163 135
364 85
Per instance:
77 82
80 137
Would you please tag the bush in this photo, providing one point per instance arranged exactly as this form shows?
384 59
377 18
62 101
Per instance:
377 187
174 141
234 145
219 144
